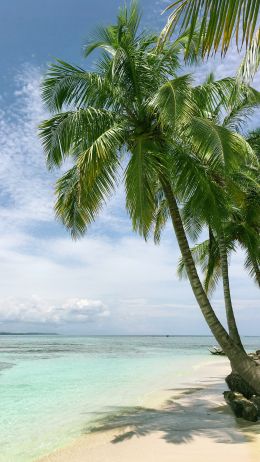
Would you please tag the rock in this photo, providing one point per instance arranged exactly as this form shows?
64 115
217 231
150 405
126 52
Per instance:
241 406
256 401
257 352
237 384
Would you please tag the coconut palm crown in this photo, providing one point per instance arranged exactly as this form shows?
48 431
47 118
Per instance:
243 220
133 103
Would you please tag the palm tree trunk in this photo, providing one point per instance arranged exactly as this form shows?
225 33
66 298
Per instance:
232 325
245 366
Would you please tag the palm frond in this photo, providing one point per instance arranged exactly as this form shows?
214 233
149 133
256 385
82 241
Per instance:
160 219
206 256
212 266
238 117
218 21
200 255
173 101
111 38
104 38
224 147
197 187
179 46
82 194
109 141
243 102
253 139
225 95
213 96
65 133
140 182
65 84
251 61
252 266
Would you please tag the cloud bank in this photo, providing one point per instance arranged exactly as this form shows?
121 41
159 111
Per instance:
36 310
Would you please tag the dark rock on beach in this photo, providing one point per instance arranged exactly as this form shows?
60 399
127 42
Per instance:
241 406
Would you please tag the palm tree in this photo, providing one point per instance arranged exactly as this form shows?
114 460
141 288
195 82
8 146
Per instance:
241 228
242 223
216 22
135 118
213 260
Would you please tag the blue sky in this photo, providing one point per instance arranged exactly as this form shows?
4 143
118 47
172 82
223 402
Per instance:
110 281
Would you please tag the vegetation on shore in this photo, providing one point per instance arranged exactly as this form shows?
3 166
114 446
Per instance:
176 147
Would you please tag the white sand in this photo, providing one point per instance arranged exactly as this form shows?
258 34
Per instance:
192 423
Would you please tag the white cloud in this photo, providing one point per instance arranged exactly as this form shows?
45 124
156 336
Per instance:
37 310
26 187
26 191
240 304
103 267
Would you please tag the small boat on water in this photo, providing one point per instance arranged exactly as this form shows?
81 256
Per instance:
217 351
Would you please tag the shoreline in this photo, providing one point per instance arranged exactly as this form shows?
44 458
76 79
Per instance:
188 421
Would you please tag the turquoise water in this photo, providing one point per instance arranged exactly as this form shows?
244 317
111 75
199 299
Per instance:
52 387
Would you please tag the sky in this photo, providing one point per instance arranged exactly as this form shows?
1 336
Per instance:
111 281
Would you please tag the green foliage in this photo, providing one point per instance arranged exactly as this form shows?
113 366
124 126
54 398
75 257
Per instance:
69 85
133 119
251 61
218 21
241 222
254 140
206 256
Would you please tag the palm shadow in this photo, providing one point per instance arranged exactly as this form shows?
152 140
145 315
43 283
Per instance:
184 416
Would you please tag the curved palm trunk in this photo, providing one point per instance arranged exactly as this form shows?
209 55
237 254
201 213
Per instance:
244 365
232 325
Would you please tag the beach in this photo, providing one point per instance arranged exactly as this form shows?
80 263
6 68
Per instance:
191 422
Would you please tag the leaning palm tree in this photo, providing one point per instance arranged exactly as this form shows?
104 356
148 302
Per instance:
243 217
216 22
206 254
212 257
134 119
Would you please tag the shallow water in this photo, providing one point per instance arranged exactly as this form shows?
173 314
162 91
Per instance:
53 387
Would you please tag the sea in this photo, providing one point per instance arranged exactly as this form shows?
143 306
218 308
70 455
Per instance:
52 388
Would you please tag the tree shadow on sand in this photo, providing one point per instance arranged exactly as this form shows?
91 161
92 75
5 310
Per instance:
184 416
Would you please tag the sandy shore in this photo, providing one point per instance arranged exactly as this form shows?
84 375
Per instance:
190 423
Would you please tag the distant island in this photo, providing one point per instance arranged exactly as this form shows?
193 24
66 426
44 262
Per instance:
29 333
